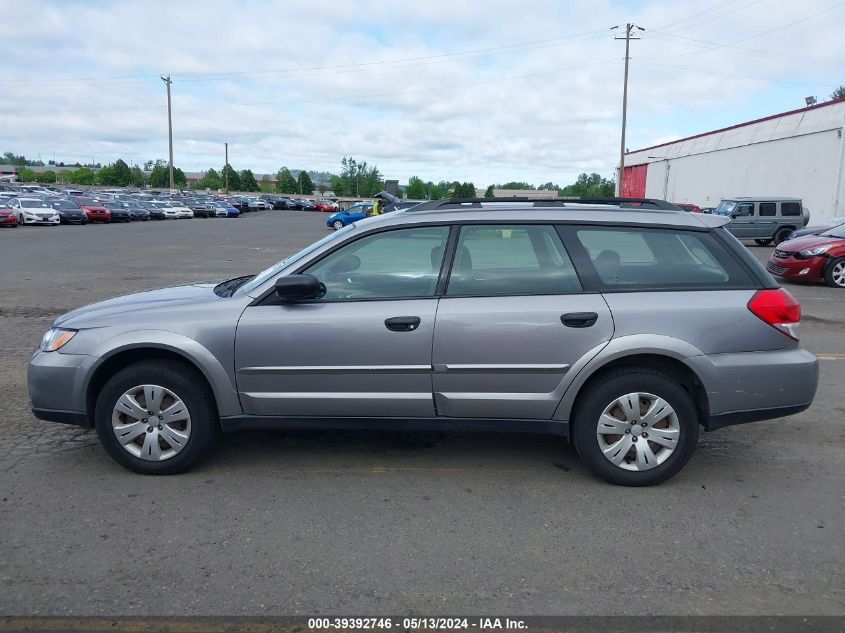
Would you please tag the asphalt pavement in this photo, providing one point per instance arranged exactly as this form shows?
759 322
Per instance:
325 522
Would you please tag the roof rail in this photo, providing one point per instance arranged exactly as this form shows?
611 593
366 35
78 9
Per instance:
479 203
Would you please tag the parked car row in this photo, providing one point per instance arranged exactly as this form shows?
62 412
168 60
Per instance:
25 206
299 204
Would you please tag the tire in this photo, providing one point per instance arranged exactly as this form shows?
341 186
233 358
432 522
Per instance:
337 225
834 273
781 235
682 425
179 381
763 242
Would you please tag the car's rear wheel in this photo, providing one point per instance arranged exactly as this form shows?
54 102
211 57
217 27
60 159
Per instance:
781 236
337 224
763 242
635 427
156 417
834 273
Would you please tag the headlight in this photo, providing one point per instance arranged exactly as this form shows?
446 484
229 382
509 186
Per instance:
818 250
56 338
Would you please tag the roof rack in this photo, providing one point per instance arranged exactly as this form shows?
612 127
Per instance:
479 203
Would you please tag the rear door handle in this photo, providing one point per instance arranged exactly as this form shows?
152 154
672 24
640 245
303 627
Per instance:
402 323
579 319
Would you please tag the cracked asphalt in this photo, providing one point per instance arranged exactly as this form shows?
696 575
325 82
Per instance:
319 522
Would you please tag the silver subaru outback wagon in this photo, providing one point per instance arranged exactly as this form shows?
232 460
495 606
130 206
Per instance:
622 328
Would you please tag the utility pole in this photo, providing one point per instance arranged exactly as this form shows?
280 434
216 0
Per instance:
628 30
225 170
169 81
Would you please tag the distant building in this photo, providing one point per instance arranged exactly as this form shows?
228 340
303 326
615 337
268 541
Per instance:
800 153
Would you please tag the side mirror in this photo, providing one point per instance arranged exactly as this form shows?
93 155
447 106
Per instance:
298 288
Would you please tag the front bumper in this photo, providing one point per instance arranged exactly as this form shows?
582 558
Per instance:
793 268
752 386
51 221
57 384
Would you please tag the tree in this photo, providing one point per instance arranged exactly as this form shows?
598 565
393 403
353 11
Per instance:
266 184
438 191
248 182
488 193
136 176
285 182
416 189
26 175
46 177
839 93
160 176
357 179
590 185
210 180
515 185
82 176
306 185
231 177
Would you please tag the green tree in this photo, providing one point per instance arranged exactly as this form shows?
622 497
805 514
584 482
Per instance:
839 93
590 185
136 176
515 185
248 182
416 189
357 179
438 191
106 176
305 184
27 175
210 180
159 177
285 182
46 177
266 185
233 178
122 173
82 176
488 193
179 178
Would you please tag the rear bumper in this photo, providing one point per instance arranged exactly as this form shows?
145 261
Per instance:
752 386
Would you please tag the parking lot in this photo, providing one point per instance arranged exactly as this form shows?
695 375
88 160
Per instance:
314 522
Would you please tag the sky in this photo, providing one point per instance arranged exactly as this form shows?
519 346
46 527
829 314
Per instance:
487 92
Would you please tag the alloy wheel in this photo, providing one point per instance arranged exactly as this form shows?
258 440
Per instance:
837 273
151 422
638 431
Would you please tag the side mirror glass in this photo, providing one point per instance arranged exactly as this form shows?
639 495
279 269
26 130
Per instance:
298 288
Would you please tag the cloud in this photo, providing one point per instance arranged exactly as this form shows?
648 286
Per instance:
487 93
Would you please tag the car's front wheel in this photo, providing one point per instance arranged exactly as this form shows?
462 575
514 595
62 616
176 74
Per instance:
337 224
834 273
156 417
635 427
781 236
763 242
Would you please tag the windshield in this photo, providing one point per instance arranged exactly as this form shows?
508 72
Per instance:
271 272
32 204
725 207
837 231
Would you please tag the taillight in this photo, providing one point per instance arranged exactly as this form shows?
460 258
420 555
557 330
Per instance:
779 309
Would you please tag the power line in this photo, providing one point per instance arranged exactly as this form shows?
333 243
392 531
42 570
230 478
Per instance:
697 13
197 76
715 72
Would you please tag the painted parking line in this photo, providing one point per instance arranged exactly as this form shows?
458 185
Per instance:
830 356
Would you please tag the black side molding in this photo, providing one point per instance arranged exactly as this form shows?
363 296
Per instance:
720 420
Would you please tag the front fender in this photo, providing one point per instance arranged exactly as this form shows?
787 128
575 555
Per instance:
221 381
621 347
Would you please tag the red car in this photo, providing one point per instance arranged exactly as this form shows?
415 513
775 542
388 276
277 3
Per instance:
94 210
692 208
8 217
325 205
812 258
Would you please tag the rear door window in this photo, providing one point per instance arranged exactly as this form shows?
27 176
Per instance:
768 208
511 260
640 258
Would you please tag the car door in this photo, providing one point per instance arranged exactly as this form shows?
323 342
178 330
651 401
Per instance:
743 224
364 348
512 323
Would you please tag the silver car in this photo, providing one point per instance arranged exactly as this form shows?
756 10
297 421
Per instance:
622 329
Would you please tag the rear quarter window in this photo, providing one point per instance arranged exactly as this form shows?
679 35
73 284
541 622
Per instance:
792 209
634 258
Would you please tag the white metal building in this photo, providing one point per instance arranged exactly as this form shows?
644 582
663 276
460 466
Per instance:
799 154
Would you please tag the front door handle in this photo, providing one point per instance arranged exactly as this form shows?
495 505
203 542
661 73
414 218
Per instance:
579 319
402 323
